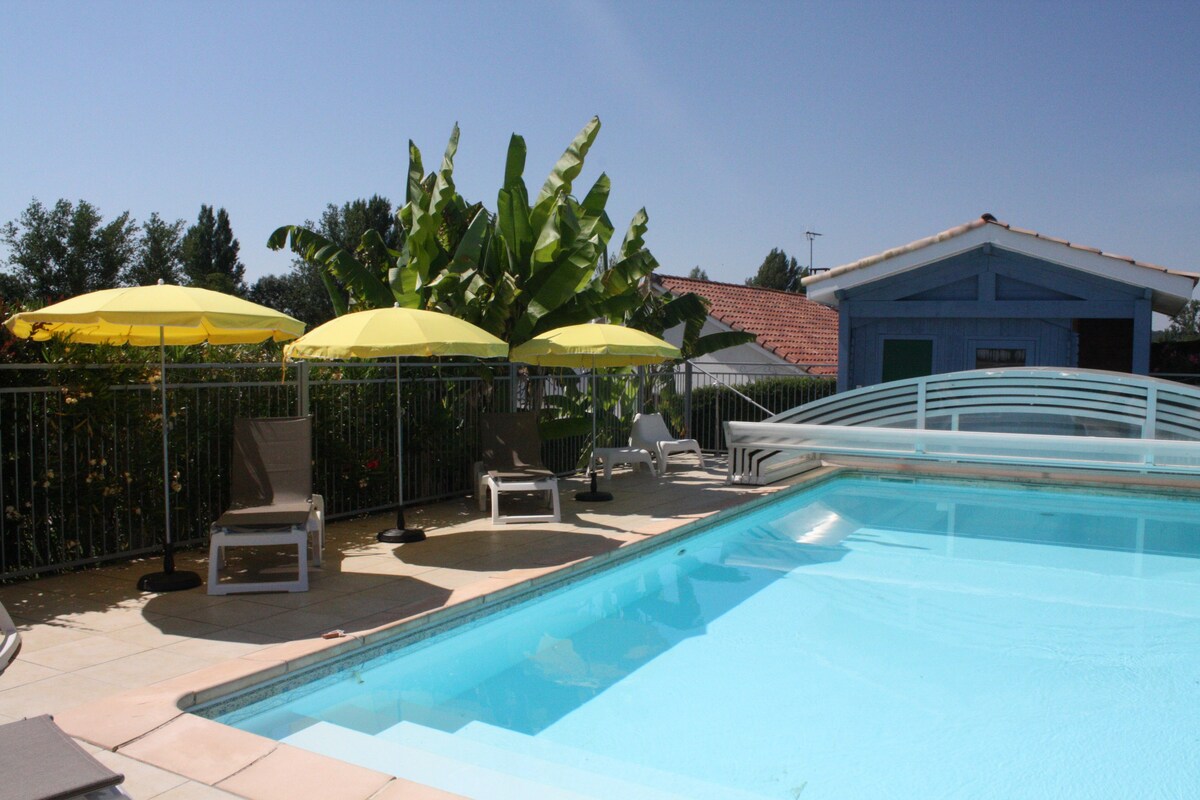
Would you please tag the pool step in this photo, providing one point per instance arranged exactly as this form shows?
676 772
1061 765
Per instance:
466 767
524 758
671 783
448 773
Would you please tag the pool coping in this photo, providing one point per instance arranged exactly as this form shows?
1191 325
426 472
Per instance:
155 725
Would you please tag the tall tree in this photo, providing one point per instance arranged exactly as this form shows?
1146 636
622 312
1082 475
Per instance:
777 271
160 253
345 225
1184 326
210 254
66 250
697 274
197 248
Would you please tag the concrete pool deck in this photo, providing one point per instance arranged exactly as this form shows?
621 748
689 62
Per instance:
114 666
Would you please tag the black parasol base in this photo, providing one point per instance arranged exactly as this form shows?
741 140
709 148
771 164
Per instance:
400 534
593 496
170 579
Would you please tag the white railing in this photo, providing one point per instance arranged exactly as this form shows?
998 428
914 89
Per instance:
1045 417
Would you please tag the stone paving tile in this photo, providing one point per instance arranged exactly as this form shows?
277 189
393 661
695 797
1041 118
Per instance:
356 604
37 636
160 630
386 571
222 644
406 589
53 694
298 624
175 746
102 619
150 666
232 613
452 578
285 600
22 671
116 720
288 773
191 790
149 781
82 653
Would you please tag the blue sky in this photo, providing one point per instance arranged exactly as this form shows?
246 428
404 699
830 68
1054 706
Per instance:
738 126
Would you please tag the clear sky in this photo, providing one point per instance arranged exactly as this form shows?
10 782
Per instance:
737 125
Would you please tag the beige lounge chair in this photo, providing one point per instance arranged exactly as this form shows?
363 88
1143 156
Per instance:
10 639
271 500
512 462
650 433
38 761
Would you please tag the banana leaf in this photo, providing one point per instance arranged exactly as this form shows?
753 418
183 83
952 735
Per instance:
359 280
569 165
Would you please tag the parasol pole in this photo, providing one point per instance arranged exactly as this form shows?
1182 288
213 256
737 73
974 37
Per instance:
399 534
592 494
168 580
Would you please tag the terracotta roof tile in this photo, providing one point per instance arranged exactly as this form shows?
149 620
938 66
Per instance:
787 324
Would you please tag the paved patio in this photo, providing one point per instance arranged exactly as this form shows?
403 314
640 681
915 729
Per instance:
96 651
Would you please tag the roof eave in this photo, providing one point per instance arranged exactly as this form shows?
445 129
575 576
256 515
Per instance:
1170 289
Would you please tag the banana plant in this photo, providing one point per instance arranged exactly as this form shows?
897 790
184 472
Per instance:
528 268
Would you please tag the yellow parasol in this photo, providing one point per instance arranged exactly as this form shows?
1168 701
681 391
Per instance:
594 345
157 315
395 332
383 332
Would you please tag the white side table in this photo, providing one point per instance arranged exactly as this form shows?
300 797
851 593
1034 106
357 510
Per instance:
622 455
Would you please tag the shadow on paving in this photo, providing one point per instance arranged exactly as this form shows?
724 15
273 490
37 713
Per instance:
505 549
401 596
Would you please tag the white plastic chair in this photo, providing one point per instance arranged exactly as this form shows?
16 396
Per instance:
512 462
650 433
272 502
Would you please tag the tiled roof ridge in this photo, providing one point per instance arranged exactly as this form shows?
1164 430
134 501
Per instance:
732 285
958 230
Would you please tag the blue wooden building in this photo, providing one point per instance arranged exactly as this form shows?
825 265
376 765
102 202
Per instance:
986 294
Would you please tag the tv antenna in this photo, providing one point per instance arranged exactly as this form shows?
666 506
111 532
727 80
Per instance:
810 235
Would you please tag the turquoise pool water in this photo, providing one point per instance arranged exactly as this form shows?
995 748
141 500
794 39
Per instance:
866 638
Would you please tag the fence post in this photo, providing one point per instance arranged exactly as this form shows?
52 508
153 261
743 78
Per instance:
512 387
687 398
641 390
302 388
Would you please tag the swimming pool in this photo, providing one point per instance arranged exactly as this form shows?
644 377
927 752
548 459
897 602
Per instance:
867 637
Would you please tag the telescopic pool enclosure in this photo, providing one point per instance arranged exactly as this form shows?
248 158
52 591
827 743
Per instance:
1044 417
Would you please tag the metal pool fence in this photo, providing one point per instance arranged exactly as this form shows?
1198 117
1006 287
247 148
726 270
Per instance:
81 455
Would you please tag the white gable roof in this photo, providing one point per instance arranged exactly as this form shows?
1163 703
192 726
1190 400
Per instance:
1170 289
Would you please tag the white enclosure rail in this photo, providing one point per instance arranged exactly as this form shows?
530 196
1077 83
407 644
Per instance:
1044 417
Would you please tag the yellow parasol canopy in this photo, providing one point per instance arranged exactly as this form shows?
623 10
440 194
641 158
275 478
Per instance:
594 345
153 315
395 332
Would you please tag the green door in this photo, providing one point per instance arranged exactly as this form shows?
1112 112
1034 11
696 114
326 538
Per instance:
907 358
